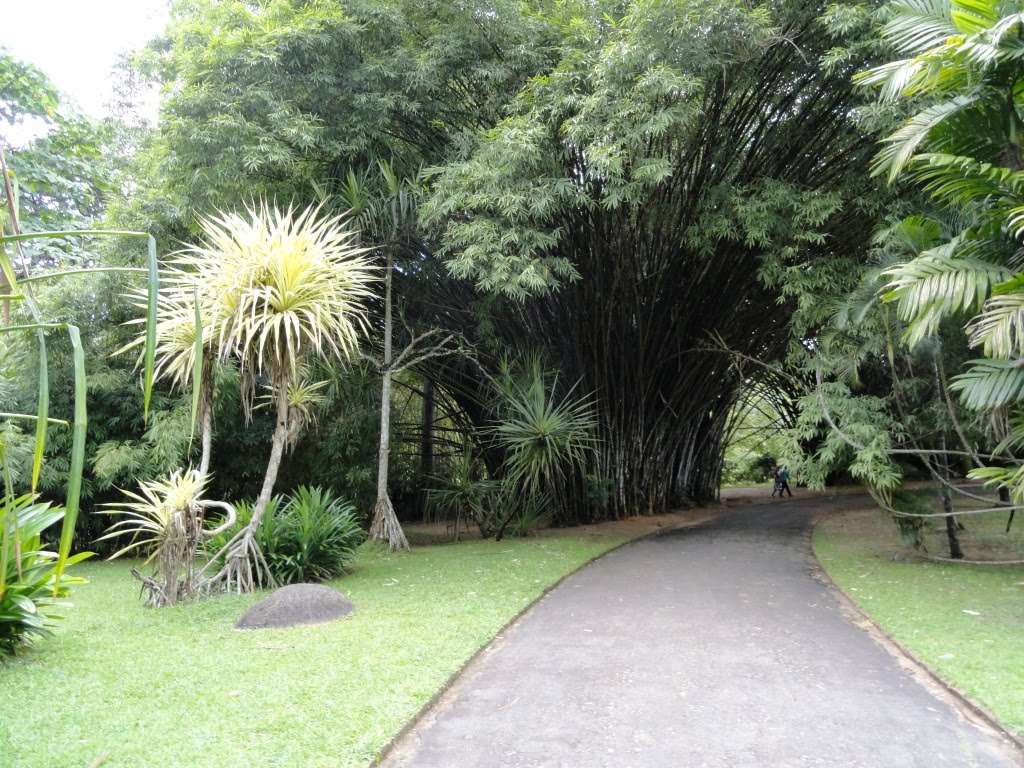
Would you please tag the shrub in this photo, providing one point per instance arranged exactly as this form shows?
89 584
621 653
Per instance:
314 537
29 591
310 535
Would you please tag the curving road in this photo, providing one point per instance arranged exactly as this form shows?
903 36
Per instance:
713 646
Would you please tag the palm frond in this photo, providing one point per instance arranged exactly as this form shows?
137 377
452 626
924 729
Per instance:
919 25
912 234
901 145
957 180
999 329
973 16
988 384
936 285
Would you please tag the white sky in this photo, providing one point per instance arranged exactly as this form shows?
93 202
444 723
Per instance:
77 42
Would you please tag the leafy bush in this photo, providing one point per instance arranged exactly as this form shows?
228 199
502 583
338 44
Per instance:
29 591
314 536
310 535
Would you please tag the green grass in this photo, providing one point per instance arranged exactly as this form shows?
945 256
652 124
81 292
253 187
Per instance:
122 685
924 606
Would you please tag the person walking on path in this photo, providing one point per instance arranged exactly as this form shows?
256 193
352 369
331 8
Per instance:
782 482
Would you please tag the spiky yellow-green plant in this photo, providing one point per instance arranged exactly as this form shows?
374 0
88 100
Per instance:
277 288
165 522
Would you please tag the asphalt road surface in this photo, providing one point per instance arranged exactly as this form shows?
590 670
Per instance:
714 646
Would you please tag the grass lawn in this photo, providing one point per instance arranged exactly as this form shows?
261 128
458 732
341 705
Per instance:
122 685
964 621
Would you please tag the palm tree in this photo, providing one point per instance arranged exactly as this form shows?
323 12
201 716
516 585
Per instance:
277 287
966 148
384 210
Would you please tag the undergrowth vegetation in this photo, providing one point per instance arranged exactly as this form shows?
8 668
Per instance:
308 535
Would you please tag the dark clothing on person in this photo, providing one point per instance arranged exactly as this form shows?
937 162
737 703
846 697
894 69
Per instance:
781 482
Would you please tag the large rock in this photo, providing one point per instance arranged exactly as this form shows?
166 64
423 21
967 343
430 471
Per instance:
296 604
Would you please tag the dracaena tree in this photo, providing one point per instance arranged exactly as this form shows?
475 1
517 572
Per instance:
277 287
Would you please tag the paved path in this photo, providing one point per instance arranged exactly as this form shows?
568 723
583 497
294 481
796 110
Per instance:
714 646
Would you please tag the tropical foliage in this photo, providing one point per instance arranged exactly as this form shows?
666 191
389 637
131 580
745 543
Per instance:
312 536
646 193
31 587
166 522
962 76
27 571
308 535
276 290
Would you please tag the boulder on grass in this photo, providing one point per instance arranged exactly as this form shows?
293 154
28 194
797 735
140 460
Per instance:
294 605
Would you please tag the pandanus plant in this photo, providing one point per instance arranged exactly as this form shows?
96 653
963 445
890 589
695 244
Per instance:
276 289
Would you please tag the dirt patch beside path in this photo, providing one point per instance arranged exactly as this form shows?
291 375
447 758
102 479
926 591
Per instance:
730 500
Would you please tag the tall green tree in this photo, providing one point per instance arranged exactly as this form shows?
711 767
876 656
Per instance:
278 97
60 165
658 193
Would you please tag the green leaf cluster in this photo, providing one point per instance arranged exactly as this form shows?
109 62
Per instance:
963 71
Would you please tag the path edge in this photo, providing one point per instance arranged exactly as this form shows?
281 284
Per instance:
968 707
452 679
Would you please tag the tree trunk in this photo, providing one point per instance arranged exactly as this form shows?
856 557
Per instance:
426 446
277 446
385 525
955 551
427 429
1004 500
245 568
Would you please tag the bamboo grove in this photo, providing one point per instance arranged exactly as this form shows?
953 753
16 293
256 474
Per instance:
639 193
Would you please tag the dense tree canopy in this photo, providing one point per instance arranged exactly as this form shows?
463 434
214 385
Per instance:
631 187
657 189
